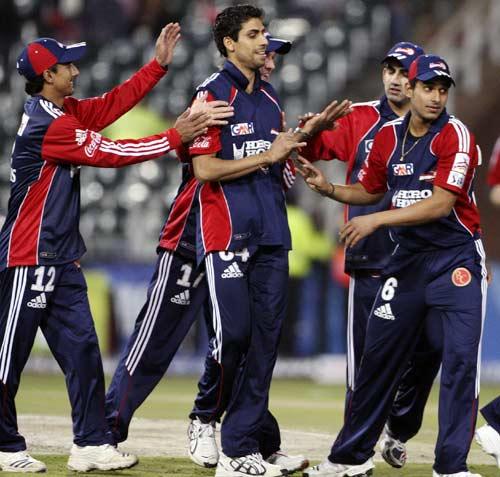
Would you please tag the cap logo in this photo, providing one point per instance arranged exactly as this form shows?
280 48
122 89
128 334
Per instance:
408 51
437 65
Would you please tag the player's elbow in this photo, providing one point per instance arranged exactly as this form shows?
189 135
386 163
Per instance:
442 209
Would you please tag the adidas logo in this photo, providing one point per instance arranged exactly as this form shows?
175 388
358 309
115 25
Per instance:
233 271
39 301
181 299
385 312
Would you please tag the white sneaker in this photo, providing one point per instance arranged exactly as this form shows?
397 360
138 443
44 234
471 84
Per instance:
457 474
393 450
489 440
329 469
252 464
103 457
288 463
20 461
202 444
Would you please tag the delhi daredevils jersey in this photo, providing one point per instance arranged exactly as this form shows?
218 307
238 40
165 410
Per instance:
42 224
249 211
494 166
447 157
351 142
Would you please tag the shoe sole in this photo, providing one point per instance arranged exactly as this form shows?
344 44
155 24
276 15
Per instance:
22 471
104 467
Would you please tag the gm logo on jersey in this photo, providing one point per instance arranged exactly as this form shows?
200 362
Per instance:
403 169
241 129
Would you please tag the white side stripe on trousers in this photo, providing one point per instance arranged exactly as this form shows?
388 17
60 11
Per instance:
16 299
351 362
484 290
151 315
216 319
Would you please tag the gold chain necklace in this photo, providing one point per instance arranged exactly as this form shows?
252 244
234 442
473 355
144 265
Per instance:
403 153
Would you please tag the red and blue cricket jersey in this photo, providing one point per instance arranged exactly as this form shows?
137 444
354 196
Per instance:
250 210
447 157
42 223
351 142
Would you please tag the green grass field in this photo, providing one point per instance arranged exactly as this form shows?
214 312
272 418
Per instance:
298 405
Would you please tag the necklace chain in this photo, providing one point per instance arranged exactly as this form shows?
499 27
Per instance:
403 153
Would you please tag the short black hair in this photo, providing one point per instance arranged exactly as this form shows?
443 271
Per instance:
229 22
35 85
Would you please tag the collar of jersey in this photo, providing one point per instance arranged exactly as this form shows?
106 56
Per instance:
238 77
436 125
385 110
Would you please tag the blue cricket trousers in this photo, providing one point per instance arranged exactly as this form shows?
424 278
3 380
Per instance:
405 418
207 407
176 293
248 300
453 282
53 298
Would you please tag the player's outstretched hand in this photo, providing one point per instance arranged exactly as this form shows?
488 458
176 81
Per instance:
165 44
190 125
218 111
357 228
314 123
314 177
282 146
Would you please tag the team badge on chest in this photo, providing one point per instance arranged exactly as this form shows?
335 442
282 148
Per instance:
461 277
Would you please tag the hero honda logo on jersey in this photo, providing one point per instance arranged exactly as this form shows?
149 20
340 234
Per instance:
250 148
241 129
404 198
403 169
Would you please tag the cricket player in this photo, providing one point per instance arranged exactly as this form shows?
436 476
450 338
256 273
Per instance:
427 159
203 448
41 283
243 236
351 141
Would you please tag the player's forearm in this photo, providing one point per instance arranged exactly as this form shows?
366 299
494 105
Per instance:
352 194
209 168
425 211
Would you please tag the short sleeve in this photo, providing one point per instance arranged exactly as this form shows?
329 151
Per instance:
456 152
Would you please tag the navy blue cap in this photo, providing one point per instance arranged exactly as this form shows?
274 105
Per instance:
427 67
278 45
404 52
43 53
